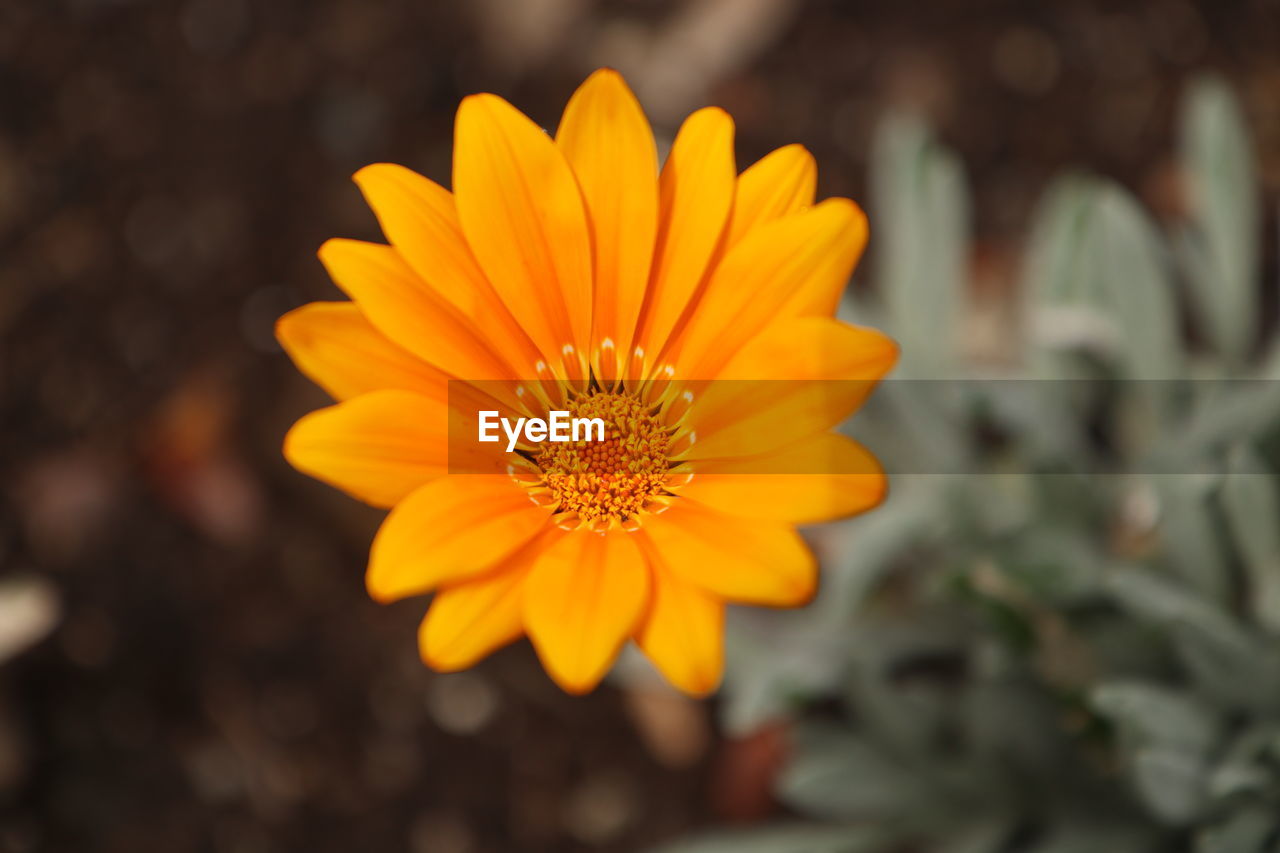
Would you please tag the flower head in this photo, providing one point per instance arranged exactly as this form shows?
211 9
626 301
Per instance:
689 309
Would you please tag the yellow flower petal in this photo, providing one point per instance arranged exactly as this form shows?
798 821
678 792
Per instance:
469 621
821 294
800 377
408 312
338 349
683 632
607 140
822 478
452 529
779 184
420 219
743 560
523 215
813 348
695 197
377 447
776 270
582 602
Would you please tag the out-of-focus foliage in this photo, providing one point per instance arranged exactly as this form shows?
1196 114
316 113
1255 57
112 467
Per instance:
1041 657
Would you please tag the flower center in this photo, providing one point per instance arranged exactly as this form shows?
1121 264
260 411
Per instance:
596 482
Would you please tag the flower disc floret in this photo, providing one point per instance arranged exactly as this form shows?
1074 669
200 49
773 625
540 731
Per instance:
599 482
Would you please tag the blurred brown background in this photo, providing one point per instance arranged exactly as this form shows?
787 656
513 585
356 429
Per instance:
213 676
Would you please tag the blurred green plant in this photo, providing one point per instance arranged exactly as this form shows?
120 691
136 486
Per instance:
1041 658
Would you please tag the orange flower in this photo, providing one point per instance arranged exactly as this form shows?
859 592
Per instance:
570 274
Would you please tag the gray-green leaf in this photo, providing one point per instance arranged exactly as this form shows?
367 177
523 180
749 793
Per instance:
921 205
1253 512
1222 249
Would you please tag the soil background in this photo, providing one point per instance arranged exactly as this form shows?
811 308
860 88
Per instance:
216 678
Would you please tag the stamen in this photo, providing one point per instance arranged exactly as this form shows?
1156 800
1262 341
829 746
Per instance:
596 483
